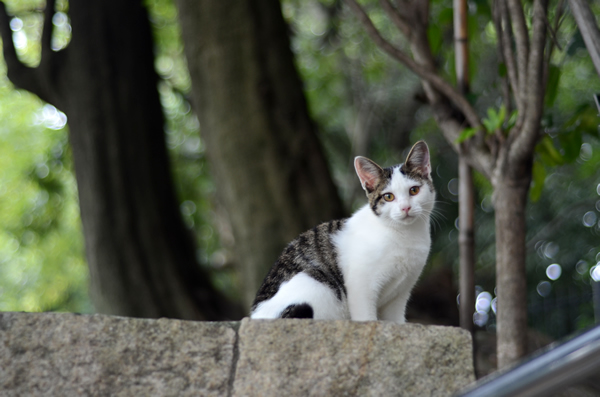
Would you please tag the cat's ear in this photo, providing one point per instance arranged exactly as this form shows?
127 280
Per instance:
368 172
418 160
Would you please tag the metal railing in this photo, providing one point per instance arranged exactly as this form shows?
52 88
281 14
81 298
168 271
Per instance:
558 367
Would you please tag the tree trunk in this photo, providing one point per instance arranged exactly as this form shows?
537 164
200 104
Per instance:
466 242
510 199
269 169
466 206
141 257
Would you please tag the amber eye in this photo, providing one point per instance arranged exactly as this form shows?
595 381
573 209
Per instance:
388 197
414 190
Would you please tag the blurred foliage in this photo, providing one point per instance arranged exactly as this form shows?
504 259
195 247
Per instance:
364 103
41 246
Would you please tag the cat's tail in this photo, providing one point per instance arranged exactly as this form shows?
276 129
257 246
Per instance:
302 310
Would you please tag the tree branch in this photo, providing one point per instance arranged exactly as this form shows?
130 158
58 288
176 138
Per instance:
552 29
557 22
517 17
586 23
436 81
395 16
511 63
527 136
18 73
35 80
510 81
514 13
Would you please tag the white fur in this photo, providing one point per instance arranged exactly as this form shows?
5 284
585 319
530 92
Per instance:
303 289
381 258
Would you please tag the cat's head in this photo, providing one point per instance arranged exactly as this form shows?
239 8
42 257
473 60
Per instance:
402 193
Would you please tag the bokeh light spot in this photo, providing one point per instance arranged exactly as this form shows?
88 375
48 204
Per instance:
453 186
486 204
480 318
16 24
544 288
589 219
595 272
586 151
581 267
554 271
188 208
483 302
550 249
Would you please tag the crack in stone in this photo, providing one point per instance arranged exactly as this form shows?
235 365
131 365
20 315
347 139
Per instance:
234 359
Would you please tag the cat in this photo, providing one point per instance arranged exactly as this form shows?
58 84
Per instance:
360 268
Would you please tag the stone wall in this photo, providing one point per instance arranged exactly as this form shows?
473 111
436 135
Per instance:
67 354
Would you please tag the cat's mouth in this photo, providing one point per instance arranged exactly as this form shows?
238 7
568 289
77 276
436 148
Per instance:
404 218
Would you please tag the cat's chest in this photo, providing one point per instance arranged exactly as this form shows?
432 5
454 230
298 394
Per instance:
402 256
384 254
399 269
398 248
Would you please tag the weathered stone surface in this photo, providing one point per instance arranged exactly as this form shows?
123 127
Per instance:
336 358
65 355
71 355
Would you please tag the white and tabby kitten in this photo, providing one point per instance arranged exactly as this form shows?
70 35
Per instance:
361 268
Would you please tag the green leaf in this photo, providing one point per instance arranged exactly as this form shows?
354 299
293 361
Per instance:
494 120
466 134
537 183
550 156
501 115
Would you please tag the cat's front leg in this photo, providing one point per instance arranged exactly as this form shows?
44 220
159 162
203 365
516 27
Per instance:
395 309
362 299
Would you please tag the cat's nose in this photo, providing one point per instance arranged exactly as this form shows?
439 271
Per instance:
406 209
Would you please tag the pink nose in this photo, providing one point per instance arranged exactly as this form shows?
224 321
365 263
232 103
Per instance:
406 209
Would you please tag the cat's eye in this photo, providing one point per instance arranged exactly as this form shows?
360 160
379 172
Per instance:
413 191
388 197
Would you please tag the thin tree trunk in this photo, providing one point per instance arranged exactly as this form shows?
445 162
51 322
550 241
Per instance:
140 255
466 241
510 200
466 235
269 169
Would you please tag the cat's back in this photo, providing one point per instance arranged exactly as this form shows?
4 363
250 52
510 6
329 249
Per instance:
312 253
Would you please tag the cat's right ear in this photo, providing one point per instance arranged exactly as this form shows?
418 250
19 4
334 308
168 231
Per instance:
368 172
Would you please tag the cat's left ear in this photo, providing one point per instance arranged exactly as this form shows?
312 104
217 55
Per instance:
418 160
368 172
